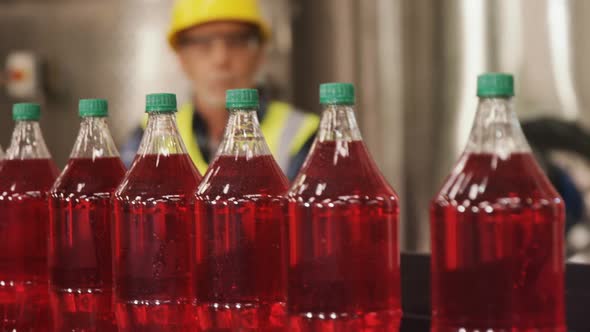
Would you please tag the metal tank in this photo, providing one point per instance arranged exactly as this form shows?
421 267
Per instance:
415 64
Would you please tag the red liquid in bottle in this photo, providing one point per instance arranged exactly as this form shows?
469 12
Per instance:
241 253
80 264
24 224
497 248
152 245
344 270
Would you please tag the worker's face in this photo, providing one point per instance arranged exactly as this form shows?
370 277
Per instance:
219 56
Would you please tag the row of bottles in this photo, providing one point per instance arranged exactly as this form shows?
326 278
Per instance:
160 248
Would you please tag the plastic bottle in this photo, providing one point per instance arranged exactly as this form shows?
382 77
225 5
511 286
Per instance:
152 234
26 175
80 250
497 230
240 229
344 272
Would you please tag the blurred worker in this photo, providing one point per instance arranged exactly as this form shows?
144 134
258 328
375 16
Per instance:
221 45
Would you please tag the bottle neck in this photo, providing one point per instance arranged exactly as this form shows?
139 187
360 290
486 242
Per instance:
27 142
496 129
161 136
94 140
338 123
242 136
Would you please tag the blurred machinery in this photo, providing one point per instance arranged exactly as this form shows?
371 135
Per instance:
22 75
416 63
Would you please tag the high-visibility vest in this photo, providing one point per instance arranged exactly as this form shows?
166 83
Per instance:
285 129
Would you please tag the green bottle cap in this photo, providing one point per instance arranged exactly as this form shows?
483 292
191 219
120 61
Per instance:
241 99
491 85
26 112
160 103
337 94
98 108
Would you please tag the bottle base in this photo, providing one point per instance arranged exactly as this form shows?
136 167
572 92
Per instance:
156 316
381 321
242 317
448 328
82 310
24 307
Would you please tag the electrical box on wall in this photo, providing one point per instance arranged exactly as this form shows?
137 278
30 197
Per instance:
22 73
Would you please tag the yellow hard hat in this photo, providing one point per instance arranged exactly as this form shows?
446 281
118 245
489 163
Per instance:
190 13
